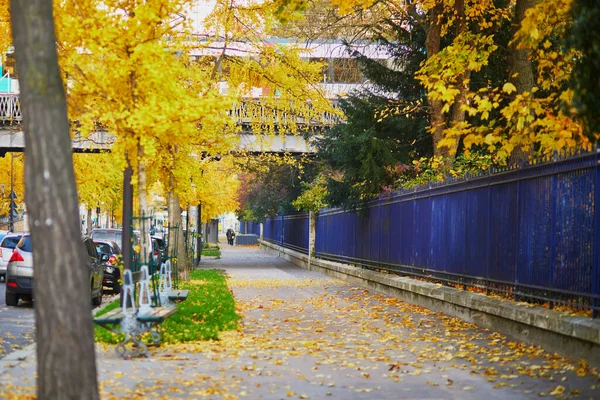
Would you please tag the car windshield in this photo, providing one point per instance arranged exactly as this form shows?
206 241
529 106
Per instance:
114 236
25 244
10 242
160 243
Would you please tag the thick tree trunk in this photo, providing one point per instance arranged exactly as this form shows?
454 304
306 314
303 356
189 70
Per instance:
437 120
174 209
66 364
520 71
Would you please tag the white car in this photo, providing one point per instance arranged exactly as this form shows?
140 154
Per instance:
7 246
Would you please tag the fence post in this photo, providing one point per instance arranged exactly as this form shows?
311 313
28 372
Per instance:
312 236
260 230
488 268
282 231
517 238
553 194
596 266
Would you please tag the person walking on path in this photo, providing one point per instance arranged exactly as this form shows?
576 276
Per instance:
230 236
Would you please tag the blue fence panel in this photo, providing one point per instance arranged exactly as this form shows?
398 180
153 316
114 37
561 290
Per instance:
295 229
533 232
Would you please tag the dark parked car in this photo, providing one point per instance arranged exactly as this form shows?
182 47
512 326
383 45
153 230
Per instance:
112 273
159 250
19 274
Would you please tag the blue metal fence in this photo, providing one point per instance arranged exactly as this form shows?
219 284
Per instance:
254 228
289 231
532 232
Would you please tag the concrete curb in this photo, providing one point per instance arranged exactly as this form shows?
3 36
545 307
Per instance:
17 357
575 337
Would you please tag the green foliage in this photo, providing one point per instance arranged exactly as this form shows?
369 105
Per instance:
364 156
313 195
585 79
437 169
270 189
208 310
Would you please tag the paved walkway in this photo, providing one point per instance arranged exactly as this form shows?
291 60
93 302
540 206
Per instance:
305 335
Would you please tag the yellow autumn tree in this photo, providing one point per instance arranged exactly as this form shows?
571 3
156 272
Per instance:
5 31
99 180
11 165
129 72
529 112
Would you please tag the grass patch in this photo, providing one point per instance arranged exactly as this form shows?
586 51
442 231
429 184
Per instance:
101 334
208 310
111 306
211 252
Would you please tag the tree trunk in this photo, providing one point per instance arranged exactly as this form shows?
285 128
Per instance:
520 71
432 46
458 114
174 209
198 235
143 201
66 363
88 222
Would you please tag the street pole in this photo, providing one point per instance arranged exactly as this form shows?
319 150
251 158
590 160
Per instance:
126 245
199 238
11 221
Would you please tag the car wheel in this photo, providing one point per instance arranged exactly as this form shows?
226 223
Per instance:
12 299
116 287
96 301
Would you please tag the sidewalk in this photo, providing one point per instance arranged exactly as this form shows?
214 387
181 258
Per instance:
305 335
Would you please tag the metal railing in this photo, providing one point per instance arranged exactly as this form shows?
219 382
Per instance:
10 109
290 231
249 112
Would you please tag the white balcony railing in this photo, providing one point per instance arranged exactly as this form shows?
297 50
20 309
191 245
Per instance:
246 113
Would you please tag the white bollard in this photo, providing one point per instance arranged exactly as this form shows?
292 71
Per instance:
145 296
163 290
128 297
169 281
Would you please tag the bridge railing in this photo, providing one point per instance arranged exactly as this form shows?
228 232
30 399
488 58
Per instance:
10 109
531 233
249 112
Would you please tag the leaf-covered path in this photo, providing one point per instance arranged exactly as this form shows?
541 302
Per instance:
304 335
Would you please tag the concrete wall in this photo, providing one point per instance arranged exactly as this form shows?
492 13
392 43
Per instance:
211 231
574 337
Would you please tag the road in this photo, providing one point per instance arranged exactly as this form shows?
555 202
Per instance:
16 324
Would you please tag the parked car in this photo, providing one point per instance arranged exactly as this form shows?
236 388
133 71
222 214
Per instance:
112 273
7 245
114 235
159 250
19 274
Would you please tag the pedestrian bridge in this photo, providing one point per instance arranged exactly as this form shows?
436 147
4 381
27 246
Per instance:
247 115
